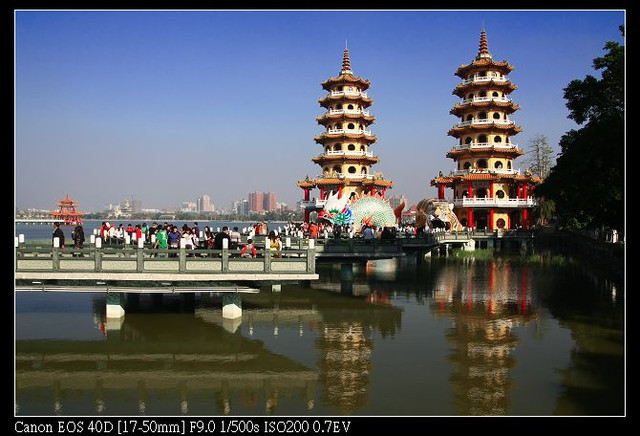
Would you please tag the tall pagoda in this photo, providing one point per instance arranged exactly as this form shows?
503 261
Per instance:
67 214
488 191
346 160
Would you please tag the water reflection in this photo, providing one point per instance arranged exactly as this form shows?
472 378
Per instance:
342 326
461 337
484 304
168 364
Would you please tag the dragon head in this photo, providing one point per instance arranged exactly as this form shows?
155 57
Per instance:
336 209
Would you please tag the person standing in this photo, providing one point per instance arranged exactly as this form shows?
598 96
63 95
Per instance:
235 238
144 230
224 234
313 230
162 241
58 233
78 237
368 233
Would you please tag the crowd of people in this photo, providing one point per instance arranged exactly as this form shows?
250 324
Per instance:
171 236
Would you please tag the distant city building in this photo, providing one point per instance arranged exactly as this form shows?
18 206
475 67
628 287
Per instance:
269 201
129 206
240 207
189 206
204 204
262 201
397 200
282 207
256 202
32 213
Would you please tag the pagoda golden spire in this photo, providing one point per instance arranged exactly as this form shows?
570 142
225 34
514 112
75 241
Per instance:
483 51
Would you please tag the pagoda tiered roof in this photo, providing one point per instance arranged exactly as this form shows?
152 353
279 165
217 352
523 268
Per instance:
346 76
340 115
460 152
488 103
362 137
485 175
466 128
464 71
333 158
499 83
332 98
483 61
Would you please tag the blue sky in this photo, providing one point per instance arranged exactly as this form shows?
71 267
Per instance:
166 106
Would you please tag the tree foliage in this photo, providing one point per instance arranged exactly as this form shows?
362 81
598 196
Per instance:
540 156
587 182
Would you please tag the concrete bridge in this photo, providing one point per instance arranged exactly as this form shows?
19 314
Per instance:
121 269
118 270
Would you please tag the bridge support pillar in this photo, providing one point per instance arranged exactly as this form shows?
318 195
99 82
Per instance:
231 306
115 305
491 243
276 288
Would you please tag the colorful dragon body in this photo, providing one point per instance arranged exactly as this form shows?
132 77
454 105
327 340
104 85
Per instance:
369 209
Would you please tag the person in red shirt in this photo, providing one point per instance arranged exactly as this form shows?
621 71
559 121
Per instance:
313 230
138 232
249 246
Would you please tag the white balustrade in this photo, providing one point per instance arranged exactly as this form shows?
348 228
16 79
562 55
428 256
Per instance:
495 202
341 93
500 145
485 79
483 121
348 111
484 99
349 153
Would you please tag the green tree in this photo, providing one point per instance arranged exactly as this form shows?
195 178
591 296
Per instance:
587 182
540 156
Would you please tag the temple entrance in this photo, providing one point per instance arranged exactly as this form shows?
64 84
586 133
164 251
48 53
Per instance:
514 217
481 219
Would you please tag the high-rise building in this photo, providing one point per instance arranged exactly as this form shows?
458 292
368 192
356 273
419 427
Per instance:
204 204
189 206
240 207
256 202
269 201
488 191
346 160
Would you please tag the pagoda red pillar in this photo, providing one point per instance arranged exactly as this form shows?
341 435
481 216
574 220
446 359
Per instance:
306 194
440 191
491 210
470 211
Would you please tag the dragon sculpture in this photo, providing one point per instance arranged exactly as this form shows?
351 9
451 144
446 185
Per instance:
358 210
435 213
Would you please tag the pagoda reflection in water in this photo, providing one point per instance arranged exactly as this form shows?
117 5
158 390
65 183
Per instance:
484 307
